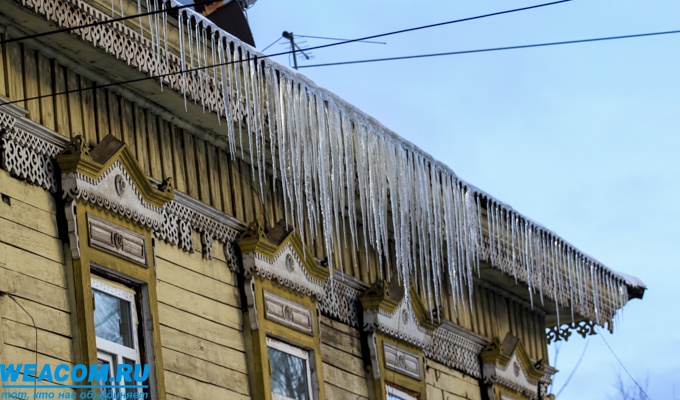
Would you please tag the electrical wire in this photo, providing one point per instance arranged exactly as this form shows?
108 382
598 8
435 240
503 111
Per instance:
108 21
486 50
338 39
623 366
573 370
94 85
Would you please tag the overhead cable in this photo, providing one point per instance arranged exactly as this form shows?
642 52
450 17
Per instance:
263 56
486 50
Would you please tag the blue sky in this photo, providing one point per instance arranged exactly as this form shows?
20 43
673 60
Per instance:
582 138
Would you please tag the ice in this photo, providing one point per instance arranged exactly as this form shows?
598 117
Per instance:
349 183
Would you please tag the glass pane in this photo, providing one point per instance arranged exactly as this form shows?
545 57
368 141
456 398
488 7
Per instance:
106 360
288 375
131 363
112 319
396 394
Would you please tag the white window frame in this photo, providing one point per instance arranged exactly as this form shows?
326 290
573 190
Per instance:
297 352
108 350
392 391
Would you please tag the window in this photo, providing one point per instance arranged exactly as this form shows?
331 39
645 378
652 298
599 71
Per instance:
396 394
290 374
115 325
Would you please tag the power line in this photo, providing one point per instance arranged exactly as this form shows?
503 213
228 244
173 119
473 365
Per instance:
338 39
486 50
623 366
33 36
94 85
573 371
455 21
107 21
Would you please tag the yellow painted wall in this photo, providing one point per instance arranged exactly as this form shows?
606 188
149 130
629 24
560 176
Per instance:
33 279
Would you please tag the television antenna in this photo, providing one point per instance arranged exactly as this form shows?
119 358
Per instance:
295 48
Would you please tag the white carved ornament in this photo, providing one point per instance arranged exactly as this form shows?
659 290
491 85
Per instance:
106 192
286 269
513 376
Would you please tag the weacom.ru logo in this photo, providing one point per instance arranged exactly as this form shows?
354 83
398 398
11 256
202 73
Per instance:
22 381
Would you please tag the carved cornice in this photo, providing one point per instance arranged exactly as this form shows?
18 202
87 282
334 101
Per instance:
280 256
564 331
184 213
94 165
395 319
28 149
341 299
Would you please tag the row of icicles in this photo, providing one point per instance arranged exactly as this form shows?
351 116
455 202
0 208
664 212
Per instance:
341 172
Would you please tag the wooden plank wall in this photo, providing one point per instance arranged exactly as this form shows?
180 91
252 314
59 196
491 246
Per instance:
35 313
444 383
494 315
343 368
208 173
201 326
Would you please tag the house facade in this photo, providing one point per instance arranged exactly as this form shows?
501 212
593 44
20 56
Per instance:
178 207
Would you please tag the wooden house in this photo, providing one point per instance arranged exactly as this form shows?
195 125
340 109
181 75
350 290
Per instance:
173 198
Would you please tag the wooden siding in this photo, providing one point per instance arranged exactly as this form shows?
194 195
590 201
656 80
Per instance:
343 368
444 383
35 312
201 325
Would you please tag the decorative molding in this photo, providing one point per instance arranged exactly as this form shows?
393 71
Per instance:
402 361
456 348
28 149
284 262
102 193
72 221
288 313
399 324
144 54
564 331
341 299
446 343
507 365
184 213
117 240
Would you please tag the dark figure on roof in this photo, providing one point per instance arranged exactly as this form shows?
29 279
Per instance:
230 16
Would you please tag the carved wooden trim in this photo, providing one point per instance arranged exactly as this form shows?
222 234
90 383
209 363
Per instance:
288 313
117 240
402 361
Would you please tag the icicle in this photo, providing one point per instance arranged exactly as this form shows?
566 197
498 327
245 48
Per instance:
200 52
165 40
214 63
182 56
139 12
346 180
151 30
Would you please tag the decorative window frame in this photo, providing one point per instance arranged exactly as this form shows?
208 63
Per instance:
283 286
112 210
396 334
510 374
